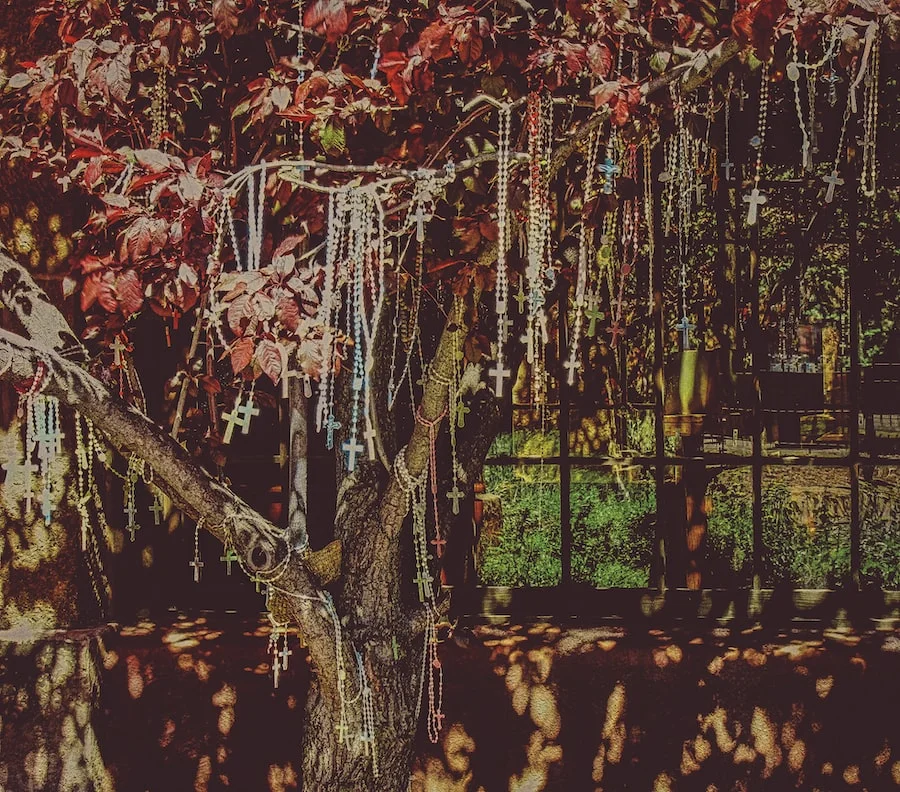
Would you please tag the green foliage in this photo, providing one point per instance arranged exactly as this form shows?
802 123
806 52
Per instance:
806 535
808 547
526 551
612 531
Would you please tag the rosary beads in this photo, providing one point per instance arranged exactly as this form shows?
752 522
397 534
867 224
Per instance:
755 198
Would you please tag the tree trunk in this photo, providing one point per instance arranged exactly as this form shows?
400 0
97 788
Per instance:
330 765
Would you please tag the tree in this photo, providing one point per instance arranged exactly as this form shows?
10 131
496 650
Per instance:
183 128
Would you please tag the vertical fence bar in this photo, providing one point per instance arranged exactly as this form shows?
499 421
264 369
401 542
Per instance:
565 465
855 265
756 355
659 540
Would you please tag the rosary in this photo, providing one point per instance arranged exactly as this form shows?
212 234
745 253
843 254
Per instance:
584 252
417 500
755 198
502 288
539 275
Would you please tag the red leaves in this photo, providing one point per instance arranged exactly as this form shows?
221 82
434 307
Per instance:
394 64
622 95
434 41
328 18
241 354
756 22
268 357
120 293
146 236
599 58
129 293
288 313
225 16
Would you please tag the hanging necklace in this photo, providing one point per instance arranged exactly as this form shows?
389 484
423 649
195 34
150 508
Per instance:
197 562
502 287
793 71
868 171
755 198
256 201
539 272
630 237
584 244
647 159
416 499
727 165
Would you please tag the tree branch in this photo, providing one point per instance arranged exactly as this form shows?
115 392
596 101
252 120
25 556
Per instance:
697 71
40 320
261 545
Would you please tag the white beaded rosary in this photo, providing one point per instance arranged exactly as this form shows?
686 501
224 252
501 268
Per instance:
754 199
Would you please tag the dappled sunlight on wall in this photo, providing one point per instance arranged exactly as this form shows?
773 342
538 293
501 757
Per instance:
38 562
451 772
48 695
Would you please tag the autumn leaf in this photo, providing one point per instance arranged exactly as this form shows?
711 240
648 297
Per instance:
225 16
599 59
98 287
18 81
268 356
238 310
604 92
434 41
129 293
328 18
118 74
288 313
241 354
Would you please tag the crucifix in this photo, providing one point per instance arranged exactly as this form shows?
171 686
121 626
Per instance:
593 314
572 365
366 739
157 509
229 558
198 565
246 412
610 170
49 440
455 494
685 327
342 731
286 375
499 372
284 654
461 412
129 511
439 543
833 180
423 581
232 419
727 166
118 348
281 457
520 298
351 448
755 199
370 436
615 330
47 507
331 425
18 472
